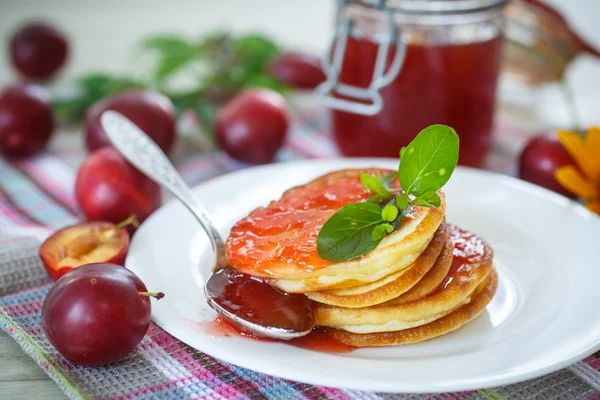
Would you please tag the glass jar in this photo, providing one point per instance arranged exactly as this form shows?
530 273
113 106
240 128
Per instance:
398 66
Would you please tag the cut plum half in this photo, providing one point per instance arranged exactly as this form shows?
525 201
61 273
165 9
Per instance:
85 243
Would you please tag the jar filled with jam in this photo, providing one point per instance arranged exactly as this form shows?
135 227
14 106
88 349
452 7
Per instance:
398 66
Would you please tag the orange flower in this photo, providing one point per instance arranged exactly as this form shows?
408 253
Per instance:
583 180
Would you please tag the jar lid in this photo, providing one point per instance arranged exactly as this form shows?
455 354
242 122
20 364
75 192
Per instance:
437 6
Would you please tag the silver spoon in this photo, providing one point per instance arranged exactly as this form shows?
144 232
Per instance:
147 157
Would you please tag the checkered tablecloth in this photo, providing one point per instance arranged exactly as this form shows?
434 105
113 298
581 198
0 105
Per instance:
36 197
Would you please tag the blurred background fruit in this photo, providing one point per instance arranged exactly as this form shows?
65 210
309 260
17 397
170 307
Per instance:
253 125
298 70
540 159
150 111
110 189
38 50
26 120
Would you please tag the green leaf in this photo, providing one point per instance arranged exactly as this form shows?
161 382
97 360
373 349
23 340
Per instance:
167 45
431 200
92 88
174 53
256 49
207 113
169 65
389 178
402 151
348 233
376 199
389 213
402 201
403 213
103 84
429 160
374 185
262 80
380 231
95 81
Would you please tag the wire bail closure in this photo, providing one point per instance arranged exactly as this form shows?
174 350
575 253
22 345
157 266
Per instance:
359 100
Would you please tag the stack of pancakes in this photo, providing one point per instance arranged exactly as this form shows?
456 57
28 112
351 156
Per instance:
423 280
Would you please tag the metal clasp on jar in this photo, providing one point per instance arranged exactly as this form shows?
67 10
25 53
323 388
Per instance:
360 100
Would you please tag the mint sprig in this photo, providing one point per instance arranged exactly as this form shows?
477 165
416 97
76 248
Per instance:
429 160
213 69
349 233
426 165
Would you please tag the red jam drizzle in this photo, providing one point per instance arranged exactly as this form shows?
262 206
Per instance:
445 84
218 328
285 232
318 340
254 300
321 340
468 251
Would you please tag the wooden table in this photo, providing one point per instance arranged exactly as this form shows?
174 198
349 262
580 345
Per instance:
21 378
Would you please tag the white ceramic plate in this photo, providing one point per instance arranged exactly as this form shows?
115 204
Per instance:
544 316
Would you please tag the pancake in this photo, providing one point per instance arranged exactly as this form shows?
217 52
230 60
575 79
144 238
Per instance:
431 281
438 327
471 265
279 241
439 251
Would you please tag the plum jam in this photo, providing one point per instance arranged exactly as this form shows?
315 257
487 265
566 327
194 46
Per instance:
448 75
453 85
254 300
470 251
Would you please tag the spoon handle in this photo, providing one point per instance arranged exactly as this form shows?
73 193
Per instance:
147 157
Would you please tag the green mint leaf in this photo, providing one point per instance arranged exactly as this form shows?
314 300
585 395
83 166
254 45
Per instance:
166 44
401 216
91 88
431 200
389 213
100 84
389 178
174 52
206 112
169 65
376 199
380 231
348 233
263 80
402 201
429 160
255 50
374 185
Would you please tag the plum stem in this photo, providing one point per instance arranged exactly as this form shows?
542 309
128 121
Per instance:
156 295
132 220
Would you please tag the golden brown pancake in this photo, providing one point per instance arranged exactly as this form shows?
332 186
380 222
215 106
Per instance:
438 327
393 285
471 265
431 281
279 241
